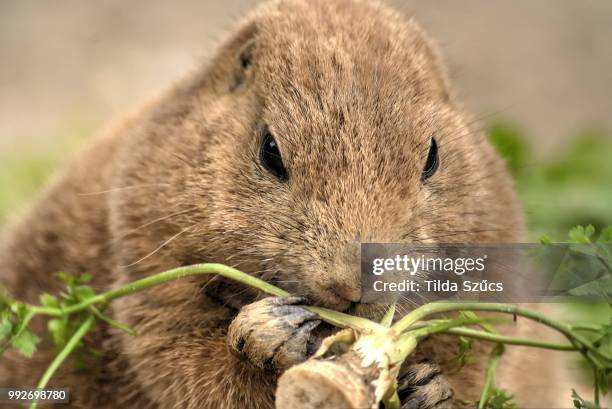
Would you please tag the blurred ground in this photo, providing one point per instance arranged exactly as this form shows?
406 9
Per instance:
69 65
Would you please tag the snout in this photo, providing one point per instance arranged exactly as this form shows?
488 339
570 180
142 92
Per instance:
343 283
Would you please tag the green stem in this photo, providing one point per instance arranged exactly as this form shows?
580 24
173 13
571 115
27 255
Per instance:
330 316
490 377
440 307
50 311
342 320
64 353
435 326
112 322
487 336
586 327
387 319
194 270
405 345
596 389
407 341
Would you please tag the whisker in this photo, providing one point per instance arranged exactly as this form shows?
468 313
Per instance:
164 244
116 189
159 219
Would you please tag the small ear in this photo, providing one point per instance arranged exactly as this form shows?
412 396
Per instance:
243 63
227 71
246 53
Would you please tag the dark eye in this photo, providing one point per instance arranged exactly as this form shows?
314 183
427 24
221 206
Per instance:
271 158
432 161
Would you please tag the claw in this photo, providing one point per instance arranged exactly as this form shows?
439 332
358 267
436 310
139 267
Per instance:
424 387
273 333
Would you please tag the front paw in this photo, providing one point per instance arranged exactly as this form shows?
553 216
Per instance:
424 387
273 333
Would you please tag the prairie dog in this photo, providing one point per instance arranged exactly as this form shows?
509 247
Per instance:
317 126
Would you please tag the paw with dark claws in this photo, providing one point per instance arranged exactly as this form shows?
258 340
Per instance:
273 333
424 387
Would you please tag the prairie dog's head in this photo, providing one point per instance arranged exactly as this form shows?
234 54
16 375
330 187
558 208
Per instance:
319 125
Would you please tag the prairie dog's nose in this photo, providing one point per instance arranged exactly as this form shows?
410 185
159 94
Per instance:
346 283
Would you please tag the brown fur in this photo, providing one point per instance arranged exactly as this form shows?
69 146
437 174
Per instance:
353 93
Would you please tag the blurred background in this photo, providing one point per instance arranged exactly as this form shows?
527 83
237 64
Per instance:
538 76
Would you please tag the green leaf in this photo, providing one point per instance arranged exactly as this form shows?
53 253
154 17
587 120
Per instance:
589 231
605 341
20 311
58 329
545 239
600 288
5 299
606 235
500 399
6 325
66 278
48 300
465 351
83 292
581 234
25 343
84 278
